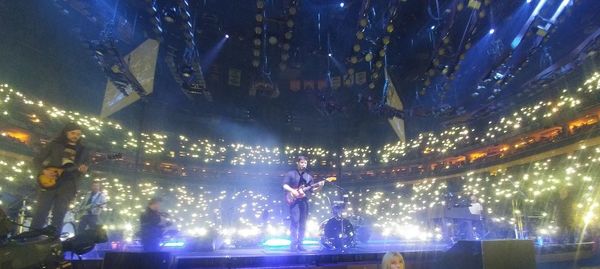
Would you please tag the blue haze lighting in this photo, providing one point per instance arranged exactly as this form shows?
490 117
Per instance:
279 242
174 244
559 10
515 43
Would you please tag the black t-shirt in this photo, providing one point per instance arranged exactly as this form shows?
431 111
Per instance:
150 223
296 179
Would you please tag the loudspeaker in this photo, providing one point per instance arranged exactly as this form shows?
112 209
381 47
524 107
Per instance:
135 260
201 244
490 254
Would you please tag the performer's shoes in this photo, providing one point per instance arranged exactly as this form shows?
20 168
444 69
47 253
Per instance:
293 248
301 248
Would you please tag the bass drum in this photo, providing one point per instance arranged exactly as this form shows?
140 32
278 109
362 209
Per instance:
68 231
337 234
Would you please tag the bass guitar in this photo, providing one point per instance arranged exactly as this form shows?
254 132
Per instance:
290 198
50 176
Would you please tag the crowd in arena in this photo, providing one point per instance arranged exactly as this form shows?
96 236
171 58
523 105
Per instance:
531 196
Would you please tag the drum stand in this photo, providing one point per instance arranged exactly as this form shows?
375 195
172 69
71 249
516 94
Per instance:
21 217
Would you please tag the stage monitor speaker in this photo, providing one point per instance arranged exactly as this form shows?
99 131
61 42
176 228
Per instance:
131 260
201 244
490 254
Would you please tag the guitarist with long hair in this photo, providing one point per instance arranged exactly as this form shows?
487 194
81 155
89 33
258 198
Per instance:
293 182
64 159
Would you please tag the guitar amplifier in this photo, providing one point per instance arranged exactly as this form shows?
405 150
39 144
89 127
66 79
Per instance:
490 254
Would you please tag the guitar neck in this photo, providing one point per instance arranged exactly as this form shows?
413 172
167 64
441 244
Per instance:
310 186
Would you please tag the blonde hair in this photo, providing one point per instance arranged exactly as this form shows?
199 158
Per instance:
386 262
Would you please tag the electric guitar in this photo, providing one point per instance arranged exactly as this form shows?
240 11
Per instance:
49 180
291 198
79 212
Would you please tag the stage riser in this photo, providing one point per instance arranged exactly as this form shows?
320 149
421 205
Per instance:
131 260
465 254
422 260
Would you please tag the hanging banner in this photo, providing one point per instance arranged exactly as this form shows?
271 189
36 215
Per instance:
322 84
393 100
349 80
361 78
295 85
309 85
235 77
336 82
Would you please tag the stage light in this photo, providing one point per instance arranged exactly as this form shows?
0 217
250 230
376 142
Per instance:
390 28
386 40
360 35
288 35
492 31
260 4
342 4
272 40
329 54
186 71
363 22
169 15
226 36
528 1
432 27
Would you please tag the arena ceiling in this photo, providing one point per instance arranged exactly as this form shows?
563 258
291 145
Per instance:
302 64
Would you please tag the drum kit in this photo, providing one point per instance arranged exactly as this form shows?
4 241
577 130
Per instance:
338 233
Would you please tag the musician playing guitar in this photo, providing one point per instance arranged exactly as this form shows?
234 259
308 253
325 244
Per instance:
66 150
292 183
91 208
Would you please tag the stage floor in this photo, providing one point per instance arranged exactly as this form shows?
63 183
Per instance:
418 255
314 250
277 257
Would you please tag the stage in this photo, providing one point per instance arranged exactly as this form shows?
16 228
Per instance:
416 255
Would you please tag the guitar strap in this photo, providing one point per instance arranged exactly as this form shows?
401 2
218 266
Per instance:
301 180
